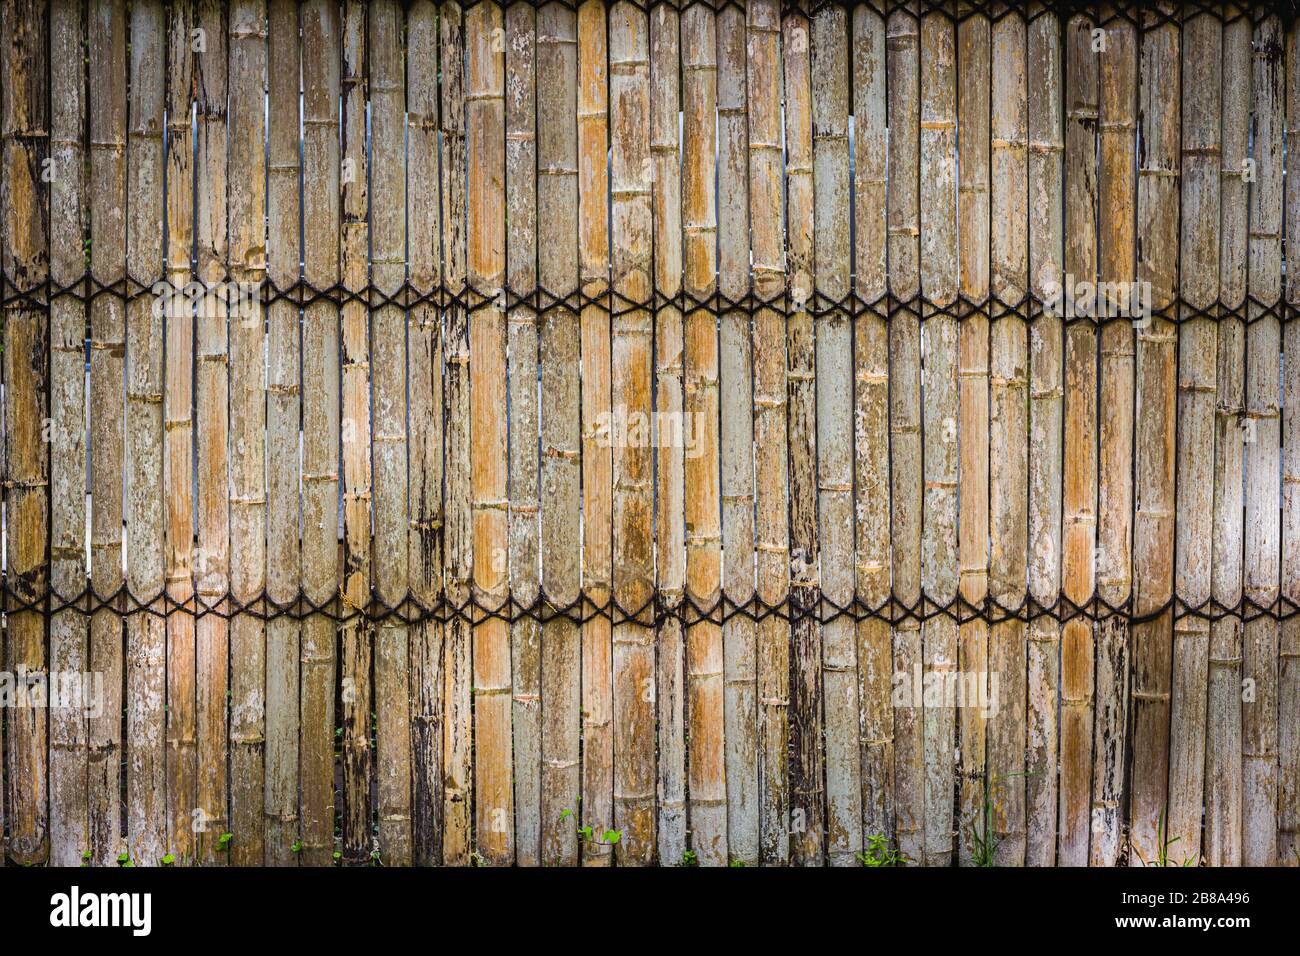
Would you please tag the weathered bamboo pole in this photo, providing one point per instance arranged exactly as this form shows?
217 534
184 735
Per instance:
1008 448
283 412
1259 728
597 797
388 357
1288 718
736 437
871 427
178 435
771 528
1117 196
485 136
903 73
320 427
69 820
973 77
1221 845
146 787
704 649
521 255
939 280
356 632
633 572
457 755
1197 348
557 206
424 384
107 128
665 175
1079 487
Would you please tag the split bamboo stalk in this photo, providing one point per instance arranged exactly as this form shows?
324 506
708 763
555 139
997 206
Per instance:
178 435
1221 844
1222 770
871 427
736 436
939 280
485 135
1079 487
69 836
424 385
771 528
283 411
973 77
212 388
146 787
903 73
1288 797
521 254
1198 345
704 649
1008 447
356 633
633 569
807 756
1259 726
107 129
388 355
1154 440
1117 196
665 174
320 428
557 205
457 755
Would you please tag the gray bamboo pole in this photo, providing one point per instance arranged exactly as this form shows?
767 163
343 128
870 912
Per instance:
665 175
974 76
320 427
557 205
1288 719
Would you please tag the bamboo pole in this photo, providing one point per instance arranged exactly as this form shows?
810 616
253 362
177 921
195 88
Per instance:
283 412
178 436
388 355
665 174
973 114
424 384
557 204
1288 718
457 713
1117 196
633 571
704 650
903 72
356 633
68 740
521 222
939 281
212 388
1259 728
736 435
1079 488
320 427
871 427
597 809
146 787
485 135
1197 347
771 522
1221 845
1008 450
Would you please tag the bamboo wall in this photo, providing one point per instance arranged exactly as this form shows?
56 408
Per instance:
587 433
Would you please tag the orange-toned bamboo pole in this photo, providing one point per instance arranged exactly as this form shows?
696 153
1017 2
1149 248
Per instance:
771 521
1288 718
485 136
320 427
557 205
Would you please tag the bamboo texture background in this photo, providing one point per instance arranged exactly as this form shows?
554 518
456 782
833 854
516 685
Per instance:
382 565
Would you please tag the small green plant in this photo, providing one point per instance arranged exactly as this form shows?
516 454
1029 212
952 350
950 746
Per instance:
85 858
689 858
1162 851
588 835
879 853
296 846
223 841
375 859
736 863
168 860
124 859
